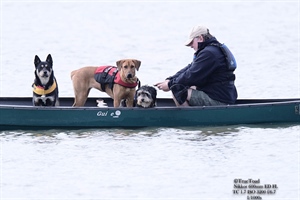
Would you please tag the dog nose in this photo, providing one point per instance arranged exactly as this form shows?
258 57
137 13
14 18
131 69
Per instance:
129 75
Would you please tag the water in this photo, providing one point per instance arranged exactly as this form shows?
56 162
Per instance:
160 163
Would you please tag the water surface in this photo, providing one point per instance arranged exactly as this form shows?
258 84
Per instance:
150 163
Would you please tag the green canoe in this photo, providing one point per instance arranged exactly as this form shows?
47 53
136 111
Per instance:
18 113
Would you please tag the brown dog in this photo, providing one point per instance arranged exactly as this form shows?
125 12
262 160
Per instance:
119 83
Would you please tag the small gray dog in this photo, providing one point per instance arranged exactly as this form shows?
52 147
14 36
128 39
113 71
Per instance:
145 97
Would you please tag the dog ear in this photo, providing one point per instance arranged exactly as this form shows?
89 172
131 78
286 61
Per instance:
137 64
49 59
119 64
37 61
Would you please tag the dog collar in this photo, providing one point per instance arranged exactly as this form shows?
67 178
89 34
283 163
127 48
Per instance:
40 90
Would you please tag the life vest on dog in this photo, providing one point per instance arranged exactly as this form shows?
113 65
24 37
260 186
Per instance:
40 90
110 75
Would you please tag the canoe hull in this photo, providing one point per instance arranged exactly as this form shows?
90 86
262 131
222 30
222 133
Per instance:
12 117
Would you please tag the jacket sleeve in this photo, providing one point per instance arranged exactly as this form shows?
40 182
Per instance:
197 73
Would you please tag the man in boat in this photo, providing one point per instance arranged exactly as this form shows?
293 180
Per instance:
209 79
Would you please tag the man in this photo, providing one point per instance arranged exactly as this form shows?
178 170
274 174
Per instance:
209 79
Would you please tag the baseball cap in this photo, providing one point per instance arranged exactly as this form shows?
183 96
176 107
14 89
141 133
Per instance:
196 31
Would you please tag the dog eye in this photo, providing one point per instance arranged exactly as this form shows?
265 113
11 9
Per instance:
131 66
125 66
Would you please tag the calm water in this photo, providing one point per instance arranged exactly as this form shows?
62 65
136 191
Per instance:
162 163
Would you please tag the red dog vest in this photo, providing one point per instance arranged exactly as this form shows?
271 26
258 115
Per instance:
110 75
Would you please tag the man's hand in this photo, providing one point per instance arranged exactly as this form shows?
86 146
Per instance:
163 86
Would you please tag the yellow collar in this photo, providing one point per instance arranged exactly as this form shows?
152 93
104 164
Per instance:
41 91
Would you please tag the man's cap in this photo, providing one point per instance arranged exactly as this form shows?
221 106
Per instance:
195 32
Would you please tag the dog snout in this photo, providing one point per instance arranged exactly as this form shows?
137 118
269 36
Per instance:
129 75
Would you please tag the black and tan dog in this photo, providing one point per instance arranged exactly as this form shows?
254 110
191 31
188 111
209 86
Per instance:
118 82
45 89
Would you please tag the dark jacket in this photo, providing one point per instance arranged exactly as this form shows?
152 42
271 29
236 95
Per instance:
209 72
